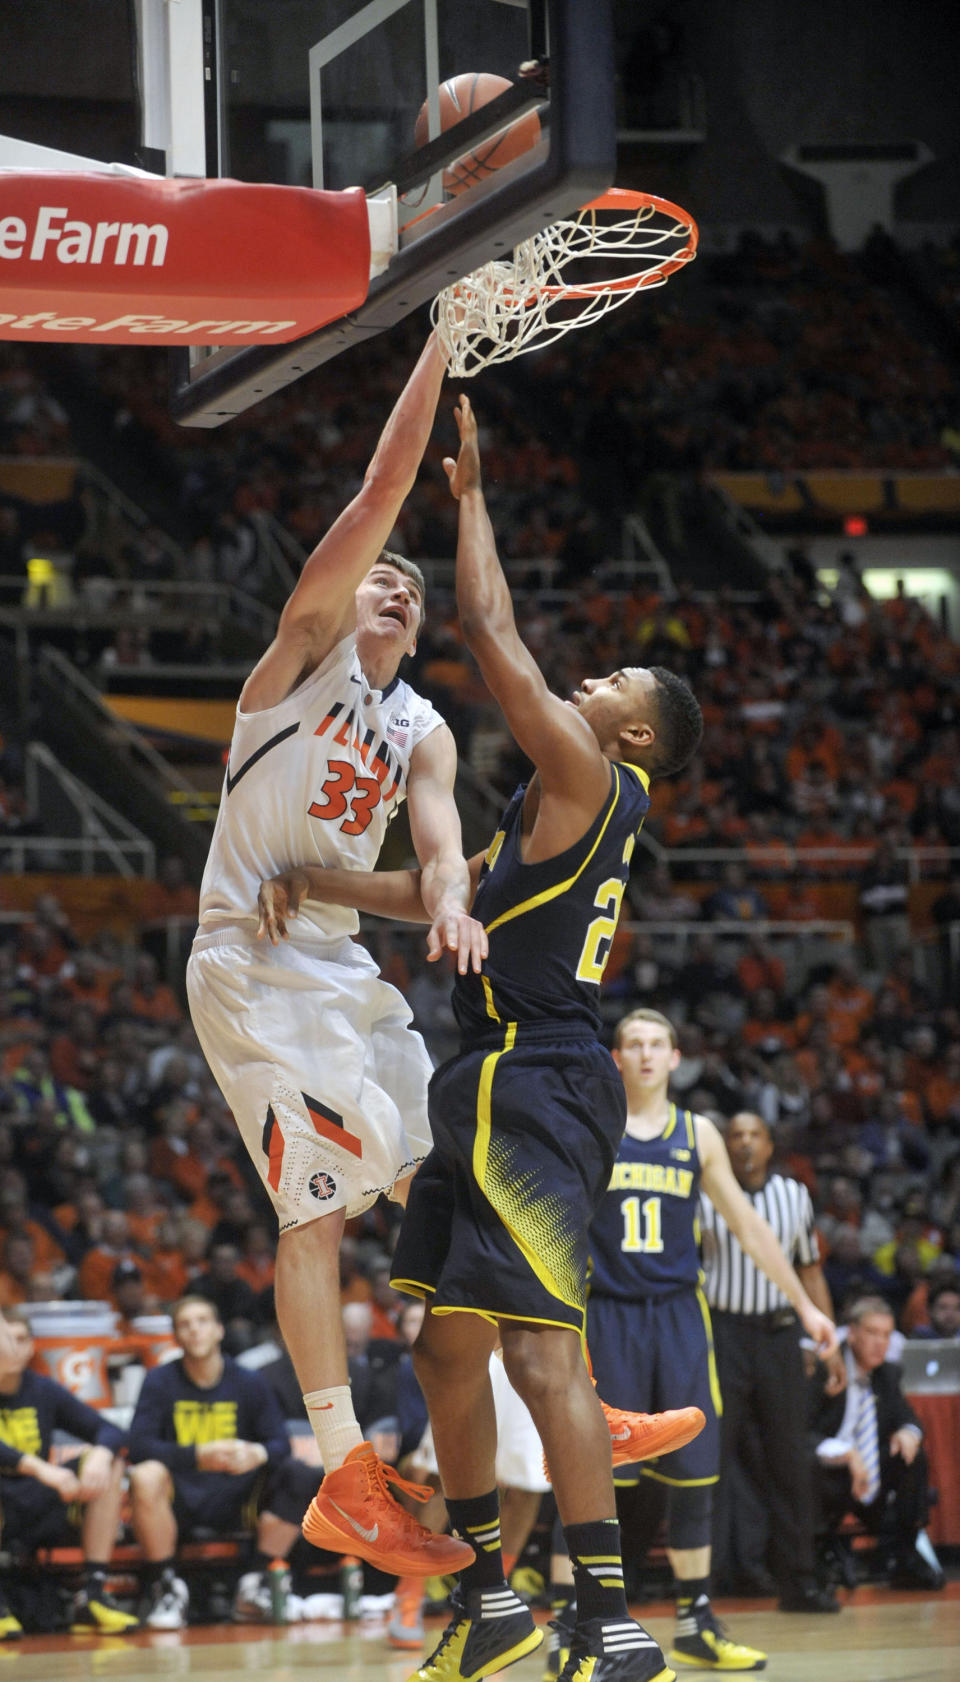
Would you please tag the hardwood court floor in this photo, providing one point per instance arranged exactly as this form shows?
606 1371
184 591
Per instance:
879 1637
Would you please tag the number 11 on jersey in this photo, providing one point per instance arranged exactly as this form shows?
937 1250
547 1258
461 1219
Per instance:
641 1225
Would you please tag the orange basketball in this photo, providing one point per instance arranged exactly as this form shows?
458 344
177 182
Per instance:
458 97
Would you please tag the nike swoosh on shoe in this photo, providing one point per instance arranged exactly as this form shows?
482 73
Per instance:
368 1535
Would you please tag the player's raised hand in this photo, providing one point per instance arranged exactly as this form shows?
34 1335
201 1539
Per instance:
278 900
820 1328
464 473
454 930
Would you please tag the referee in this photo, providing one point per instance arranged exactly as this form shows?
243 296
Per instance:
759 1362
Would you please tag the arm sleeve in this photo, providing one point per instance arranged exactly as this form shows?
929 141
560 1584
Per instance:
152 1426
903 1413
86 1423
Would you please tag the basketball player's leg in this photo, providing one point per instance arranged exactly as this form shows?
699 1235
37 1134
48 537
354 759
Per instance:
307 1294
545 1365
681 1347
491 1627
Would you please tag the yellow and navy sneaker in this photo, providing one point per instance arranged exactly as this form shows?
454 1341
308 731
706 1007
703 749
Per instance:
614 1650
490 1629
558 1641
700 1640
10 1627
99 1614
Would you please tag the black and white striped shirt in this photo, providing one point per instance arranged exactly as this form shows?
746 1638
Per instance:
734 1283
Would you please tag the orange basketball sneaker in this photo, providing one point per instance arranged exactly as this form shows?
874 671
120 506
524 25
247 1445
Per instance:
354 1512
644 1436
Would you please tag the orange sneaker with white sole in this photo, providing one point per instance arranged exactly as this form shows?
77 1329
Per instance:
354 1511
644 1436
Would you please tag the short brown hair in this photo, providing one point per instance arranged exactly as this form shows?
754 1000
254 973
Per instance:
410 570
643 1014
188 1301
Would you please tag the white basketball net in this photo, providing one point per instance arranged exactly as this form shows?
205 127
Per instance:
550 285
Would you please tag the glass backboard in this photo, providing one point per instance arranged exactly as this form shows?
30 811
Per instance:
327 93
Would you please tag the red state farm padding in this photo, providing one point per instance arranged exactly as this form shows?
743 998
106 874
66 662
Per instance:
103 258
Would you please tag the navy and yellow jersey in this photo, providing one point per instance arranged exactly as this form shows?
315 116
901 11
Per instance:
174 1416
644 1238
38 1407
551 924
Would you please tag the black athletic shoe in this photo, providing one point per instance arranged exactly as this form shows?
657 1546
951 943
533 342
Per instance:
97 1613
807 1597
558 1641
618 1650
912 1571
490 1629
702 1641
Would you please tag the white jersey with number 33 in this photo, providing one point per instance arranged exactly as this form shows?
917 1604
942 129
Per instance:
314 780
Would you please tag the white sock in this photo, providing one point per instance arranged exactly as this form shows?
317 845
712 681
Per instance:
334 1423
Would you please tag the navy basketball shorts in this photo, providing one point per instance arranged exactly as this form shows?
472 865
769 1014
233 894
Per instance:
34 1515
524 1143
654 1353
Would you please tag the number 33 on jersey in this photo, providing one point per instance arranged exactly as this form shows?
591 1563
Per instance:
314 780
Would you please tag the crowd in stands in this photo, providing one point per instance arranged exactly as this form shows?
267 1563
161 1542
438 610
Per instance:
778 356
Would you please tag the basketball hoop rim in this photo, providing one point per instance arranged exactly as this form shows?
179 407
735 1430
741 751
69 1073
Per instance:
625 200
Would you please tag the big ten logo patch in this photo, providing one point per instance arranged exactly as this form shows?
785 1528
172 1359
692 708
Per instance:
322 1186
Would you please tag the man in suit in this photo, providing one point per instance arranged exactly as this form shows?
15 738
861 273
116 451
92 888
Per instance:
869 1457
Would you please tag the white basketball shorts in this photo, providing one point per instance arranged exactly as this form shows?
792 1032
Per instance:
314 1054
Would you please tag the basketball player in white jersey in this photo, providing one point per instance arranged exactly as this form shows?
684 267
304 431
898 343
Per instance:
311 1049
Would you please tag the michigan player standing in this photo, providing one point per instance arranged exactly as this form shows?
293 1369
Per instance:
312 1051
648 1320
527 1118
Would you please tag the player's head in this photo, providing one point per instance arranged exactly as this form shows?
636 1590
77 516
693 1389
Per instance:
391 602
645 1050
21 1336
645 715
197 1327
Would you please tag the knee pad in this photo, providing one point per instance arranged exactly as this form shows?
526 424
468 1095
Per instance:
689 1516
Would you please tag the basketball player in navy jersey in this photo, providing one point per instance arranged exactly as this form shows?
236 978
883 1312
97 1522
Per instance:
648 1322
311 1049
527 1118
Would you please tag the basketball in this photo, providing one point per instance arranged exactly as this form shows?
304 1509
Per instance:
461 95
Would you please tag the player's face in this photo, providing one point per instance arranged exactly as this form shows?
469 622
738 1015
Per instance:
22 1354
198 1331
870 1339
610 704
646 1057
388 609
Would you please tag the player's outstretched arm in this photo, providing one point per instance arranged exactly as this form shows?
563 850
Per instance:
445 884
756 1235
550 731
320 609
395 894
